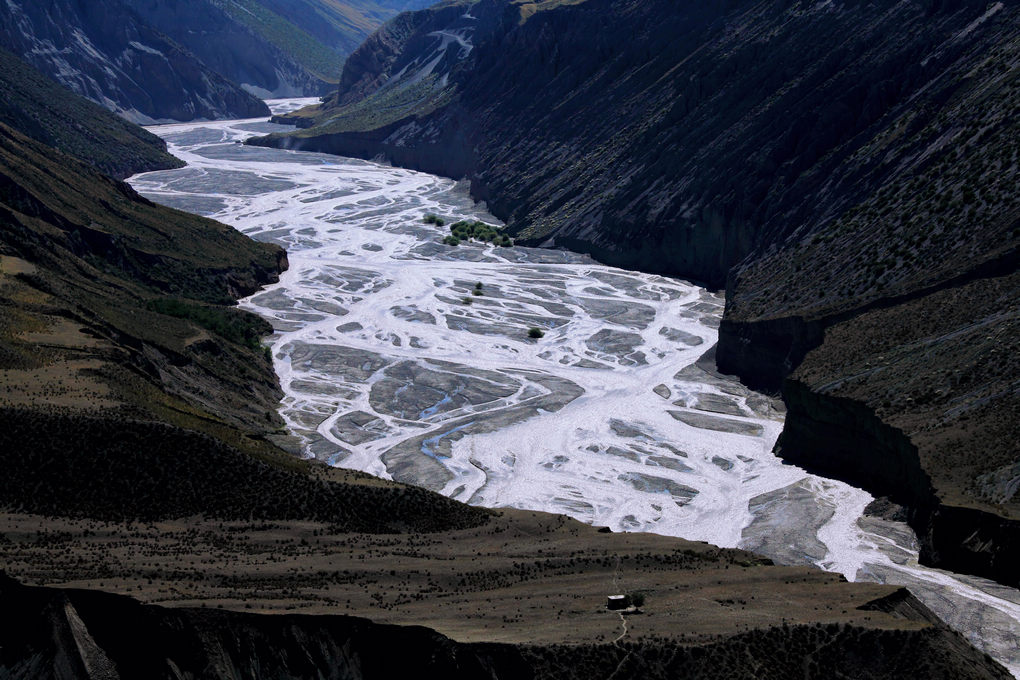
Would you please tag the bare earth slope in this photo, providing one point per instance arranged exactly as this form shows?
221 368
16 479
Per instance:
522 596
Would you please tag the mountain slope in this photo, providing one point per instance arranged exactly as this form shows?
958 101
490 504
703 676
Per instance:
87 268
37 106
80 634
273 48
136 413
103 51
844 168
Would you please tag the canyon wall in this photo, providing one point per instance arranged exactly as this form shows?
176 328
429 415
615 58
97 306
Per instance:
830 164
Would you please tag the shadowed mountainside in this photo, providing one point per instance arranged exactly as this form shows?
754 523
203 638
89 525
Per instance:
83 259
273 48
103 51
38 107
847 169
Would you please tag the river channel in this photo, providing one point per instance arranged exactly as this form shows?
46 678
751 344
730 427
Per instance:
411 360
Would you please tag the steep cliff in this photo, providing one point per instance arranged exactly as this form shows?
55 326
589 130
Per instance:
105 52
831 163
918 401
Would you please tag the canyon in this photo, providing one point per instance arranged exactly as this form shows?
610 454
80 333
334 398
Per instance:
824 164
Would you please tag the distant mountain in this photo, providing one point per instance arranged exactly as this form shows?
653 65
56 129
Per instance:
102 50
847 170
273 48
51 114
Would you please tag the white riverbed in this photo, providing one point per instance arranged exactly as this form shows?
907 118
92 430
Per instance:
609 418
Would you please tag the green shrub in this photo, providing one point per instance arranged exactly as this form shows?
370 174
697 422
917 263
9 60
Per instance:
451 241
535 332
468 230
232 324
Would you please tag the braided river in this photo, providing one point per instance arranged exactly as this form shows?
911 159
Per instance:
411 360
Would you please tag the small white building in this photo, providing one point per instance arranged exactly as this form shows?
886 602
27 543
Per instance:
617 602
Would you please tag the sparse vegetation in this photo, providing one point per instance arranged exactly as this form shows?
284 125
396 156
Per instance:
35 105
474 230
152 470
432 218
535 333
232 324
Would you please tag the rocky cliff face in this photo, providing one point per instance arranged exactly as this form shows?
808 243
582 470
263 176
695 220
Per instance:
917 401
103 51
833 164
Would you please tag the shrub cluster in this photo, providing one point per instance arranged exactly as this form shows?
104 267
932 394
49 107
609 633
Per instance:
473 230
232 324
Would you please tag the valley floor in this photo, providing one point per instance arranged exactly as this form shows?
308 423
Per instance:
393 365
